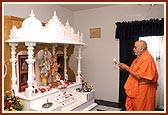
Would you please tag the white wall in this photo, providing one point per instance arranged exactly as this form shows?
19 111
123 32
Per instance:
43 12
97 65
97 62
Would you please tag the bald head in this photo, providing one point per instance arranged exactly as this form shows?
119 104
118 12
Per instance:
140 46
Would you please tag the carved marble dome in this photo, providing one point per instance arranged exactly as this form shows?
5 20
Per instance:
31 30
53 32
32 23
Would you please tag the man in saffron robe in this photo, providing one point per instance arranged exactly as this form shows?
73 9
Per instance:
141 84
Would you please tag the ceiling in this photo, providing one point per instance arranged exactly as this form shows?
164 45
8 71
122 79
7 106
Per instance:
77 7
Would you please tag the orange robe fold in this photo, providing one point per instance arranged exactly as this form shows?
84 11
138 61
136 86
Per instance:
142 97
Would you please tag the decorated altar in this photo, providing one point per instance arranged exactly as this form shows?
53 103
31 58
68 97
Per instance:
44 87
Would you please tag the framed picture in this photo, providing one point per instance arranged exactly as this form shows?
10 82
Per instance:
23 82
60 60
95 32
23 66
23 72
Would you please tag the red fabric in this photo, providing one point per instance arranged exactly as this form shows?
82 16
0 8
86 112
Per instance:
142 97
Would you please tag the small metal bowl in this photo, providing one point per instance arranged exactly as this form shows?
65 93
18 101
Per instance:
47 105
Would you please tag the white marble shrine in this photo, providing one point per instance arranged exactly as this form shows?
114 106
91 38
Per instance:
54 32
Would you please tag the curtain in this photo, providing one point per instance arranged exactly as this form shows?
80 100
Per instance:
152 27
127 55
128 33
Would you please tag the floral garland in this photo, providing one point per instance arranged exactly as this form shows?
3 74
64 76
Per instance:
12 103
85 87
